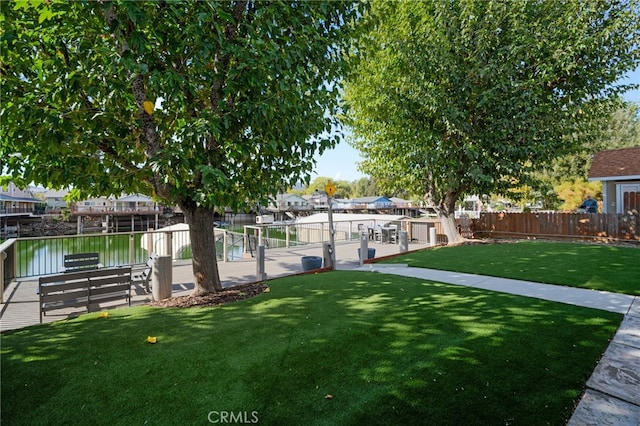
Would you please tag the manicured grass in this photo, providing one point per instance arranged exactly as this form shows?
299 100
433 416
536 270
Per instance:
389 350
594 266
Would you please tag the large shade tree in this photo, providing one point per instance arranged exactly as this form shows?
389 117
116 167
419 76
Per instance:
468 97
199 103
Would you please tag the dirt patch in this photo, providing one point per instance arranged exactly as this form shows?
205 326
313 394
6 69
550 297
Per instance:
228 295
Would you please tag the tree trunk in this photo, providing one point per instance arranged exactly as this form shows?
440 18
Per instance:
446 214
450 229
203 247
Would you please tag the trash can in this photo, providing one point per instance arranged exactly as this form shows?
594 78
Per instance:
309 263
371 253
161 277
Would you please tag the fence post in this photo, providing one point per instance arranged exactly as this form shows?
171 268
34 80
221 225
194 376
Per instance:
169 244
132 250
3 256
245 244
287 231
225 246
409 225
261 275
150 244
364 247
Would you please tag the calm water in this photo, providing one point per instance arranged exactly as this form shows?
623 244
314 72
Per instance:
46 256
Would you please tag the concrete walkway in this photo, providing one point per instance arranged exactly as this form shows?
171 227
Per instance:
21 299
613 391
612 396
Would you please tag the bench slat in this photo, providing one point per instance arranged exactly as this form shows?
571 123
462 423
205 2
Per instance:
84 288
55 297
115 279
81 261
63 286
72 276
110 289
70 303
97 298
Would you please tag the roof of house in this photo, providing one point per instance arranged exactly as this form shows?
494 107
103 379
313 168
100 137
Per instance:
399 200
616 164
50 193
374 199
135 198
5 197
282 197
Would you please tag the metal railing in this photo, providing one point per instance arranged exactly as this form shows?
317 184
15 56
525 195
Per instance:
116 209
35 256
296 234
293 234
21 210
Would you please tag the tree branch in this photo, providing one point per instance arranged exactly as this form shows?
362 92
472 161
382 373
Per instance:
151 136
221 62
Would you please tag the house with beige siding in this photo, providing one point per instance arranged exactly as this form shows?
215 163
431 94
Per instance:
619 172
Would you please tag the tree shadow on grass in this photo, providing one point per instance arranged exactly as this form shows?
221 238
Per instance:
333 348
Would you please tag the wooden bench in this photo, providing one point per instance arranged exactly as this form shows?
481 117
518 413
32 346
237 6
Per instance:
81 262
85 288
141 274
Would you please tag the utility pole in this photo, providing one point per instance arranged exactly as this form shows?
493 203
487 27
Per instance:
330 189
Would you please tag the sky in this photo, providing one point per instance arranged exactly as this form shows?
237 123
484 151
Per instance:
340 163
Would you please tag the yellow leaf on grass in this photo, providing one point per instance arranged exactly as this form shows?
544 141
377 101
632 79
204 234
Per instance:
148 107
103 315
152 339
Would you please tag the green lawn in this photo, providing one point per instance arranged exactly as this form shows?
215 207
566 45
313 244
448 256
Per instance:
594 266
389 350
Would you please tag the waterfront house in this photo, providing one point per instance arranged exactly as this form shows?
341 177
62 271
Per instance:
619 172
16 201
290 202
135 203
56 200
372 203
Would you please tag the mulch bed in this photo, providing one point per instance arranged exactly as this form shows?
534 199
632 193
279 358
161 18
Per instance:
227 295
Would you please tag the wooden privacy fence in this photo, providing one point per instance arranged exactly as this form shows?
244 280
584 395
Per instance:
624 227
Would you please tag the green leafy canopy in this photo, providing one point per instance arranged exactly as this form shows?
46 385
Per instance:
468 97
240 91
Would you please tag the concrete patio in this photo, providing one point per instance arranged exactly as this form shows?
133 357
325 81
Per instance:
21 299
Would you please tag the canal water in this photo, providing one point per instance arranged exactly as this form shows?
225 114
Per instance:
43 256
